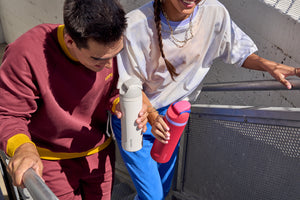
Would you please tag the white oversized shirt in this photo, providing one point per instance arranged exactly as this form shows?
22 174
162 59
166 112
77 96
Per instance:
215 36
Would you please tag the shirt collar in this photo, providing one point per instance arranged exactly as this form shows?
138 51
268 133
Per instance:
60 36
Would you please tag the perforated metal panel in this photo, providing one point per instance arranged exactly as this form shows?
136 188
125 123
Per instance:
235 159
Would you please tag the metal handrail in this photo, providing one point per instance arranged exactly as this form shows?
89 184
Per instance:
34 184
37 187
250 85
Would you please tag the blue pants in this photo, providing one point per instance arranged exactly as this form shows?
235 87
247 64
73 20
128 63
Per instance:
152 180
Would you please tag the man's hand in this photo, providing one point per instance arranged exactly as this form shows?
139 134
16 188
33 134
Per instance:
25 157
141 119
118 112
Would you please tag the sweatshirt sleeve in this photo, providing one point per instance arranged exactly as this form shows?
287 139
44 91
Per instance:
17 102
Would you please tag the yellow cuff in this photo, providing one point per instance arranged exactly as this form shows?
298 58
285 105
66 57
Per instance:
15 141
116 101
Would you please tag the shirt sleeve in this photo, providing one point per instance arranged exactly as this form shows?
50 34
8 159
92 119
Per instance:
236 45
130 63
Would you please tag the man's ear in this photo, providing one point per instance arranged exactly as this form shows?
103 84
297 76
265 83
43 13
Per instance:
69 41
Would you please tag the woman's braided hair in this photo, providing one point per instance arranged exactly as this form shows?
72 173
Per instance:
157 5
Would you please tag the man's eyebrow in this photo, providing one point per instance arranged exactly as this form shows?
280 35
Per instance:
95 58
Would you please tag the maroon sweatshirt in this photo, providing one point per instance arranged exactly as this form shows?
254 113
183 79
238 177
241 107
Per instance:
58 103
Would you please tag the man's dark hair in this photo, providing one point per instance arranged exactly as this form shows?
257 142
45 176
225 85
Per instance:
101 20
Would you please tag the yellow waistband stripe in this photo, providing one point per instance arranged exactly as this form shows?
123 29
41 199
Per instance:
15 141
46 154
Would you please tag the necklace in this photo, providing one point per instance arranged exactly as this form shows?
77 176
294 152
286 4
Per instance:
189 31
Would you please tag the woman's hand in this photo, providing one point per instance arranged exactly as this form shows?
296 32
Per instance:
279 71
141 119
160 129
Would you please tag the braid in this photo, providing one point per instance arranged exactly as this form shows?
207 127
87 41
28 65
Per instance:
157 8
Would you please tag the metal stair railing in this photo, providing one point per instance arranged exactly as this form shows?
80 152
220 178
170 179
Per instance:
240 152
250 85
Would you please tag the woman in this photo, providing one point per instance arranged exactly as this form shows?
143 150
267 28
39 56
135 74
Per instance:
170 46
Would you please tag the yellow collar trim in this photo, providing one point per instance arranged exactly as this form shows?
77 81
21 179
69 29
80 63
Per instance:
60 36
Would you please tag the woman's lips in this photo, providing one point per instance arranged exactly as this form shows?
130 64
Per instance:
187 3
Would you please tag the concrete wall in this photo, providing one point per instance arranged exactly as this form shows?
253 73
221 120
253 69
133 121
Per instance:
272 24
19 16
1 34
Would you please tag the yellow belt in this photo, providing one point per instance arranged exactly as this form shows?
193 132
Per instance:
46 154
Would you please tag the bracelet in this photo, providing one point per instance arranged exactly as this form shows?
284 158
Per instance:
296 71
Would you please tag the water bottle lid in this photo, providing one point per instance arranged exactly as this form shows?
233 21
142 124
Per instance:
181 107
131 88
178 112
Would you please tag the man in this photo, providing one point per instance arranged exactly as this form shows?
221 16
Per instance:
57 83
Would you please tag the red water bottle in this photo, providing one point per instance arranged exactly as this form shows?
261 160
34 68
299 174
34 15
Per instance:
176 118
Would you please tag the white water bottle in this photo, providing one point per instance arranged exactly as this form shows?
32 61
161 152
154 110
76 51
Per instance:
131 105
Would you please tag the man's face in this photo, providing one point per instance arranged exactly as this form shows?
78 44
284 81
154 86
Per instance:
97 55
